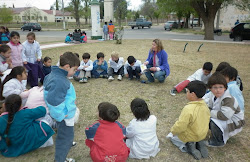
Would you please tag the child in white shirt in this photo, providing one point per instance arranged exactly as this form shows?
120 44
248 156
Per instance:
85 68
141 132
132 67
116 67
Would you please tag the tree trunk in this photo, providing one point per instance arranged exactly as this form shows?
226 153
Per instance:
76 8
207 10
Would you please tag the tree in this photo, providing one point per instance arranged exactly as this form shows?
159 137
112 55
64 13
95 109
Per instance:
120 10
27 14
148 9
75 8
6 15
86 10
36 13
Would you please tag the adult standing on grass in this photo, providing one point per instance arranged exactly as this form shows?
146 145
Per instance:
157 63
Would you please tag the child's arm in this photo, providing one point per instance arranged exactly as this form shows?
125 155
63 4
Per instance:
104 66
130 132
125 69
24 58
37 112
81 67
227 110
39 52
91 130
95 65
120 63
10 88
25 94
123 128
182 123
4 66
90 67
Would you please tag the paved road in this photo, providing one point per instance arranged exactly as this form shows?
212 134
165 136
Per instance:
152 33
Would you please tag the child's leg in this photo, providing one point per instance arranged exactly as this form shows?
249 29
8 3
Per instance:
110 71
95 74
216 135
137 72
121 71
179 87
130 72
64 140
88 74
177 142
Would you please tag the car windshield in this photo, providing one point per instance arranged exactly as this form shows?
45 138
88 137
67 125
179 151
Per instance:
170 22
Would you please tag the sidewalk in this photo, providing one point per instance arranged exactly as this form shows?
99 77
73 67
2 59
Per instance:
55 45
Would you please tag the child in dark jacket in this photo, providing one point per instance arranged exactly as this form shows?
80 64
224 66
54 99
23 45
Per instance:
47 65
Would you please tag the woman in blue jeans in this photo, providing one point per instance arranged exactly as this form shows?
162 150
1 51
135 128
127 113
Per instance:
157 63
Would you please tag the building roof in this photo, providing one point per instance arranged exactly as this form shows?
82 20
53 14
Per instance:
19 10
57 13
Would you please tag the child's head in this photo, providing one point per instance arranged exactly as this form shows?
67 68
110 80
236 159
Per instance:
222 66
79 31
207 68
110 21
15 37
2 29
131 60
84 33
85 57
195 90
108 111
100 56
230 73
75 30
69 62
77 55
31 37
105 23
140 109
12 105
217 84
157 45
114 56
5 51
47 61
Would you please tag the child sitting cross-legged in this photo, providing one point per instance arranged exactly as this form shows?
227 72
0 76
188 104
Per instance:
141 132
202 74
85 68
100 67
116 67
105 138
132 68
191 128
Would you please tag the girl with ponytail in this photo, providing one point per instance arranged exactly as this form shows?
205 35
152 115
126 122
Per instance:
19 131
141 132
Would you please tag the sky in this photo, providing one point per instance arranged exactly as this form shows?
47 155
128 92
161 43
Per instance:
45 4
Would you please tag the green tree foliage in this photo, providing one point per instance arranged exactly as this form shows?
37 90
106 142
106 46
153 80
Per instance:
120 10
76 9
86 10
148 9
6 15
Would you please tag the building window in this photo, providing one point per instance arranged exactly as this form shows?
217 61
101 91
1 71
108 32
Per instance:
40 17
32 17
45 18
23 18
67 17
71 17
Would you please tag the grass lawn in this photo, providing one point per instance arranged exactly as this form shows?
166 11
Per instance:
167 108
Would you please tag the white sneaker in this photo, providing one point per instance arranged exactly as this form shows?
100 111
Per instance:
110 78
119 77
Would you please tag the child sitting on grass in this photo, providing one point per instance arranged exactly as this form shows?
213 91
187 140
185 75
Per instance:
100 67
191 128
5 60
20 132
227 119
141 132
201 75
47 65
105 138
132 68
85 68
116 67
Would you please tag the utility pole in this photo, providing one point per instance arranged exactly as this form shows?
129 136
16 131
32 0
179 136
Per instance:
63 15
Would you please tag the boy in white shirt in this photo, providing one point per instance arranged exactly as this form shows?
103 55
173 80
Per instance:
201 75
132 67
116 67
85 68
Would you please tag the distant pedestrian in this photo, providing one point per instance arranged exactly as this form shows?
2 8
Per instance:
237 22
105 31
111 28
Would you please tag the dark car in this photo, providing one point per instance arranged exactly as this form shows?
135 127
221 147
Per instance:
31 27
169 25
240 32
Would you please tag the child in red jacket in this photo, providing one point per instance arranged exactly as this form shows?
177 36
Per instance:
105 138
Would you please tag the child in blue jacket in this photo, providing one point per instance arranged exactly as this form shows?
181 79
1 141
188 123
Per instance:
60 96
100 67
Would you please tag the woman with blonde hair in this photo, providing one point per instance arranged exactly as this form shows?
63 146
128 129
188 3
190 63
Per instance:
157 63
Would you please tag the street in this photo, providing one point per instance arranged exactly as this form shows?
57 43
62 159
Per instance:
146 33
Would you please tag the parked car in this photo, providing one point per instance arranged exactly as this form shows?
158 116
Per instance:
140 23
169 25
31 27
240 32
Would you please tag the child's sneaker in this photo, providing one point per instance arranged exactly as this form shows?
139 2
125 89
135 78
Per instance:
81 80
119 77
69 160
105 76
173 92
85 80
74 143
110 78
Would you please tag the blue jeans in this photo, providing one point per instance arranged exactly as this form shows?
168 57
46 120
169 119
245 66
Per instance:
95 74
135 72
64 140
159 75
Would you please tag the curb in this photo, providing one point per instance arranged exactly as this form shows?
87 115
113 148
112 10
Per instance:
210 41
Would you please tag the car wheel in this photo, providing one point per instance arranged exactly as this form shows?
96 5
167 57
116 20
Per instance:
132 27
138 27
22 29
149 26
237 38
219 33
39 30
142 27
31 29
165 28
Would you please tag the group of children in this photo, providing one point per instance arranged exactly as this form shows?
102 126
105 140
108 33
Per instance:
4 35
77 36
221 109
108 30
